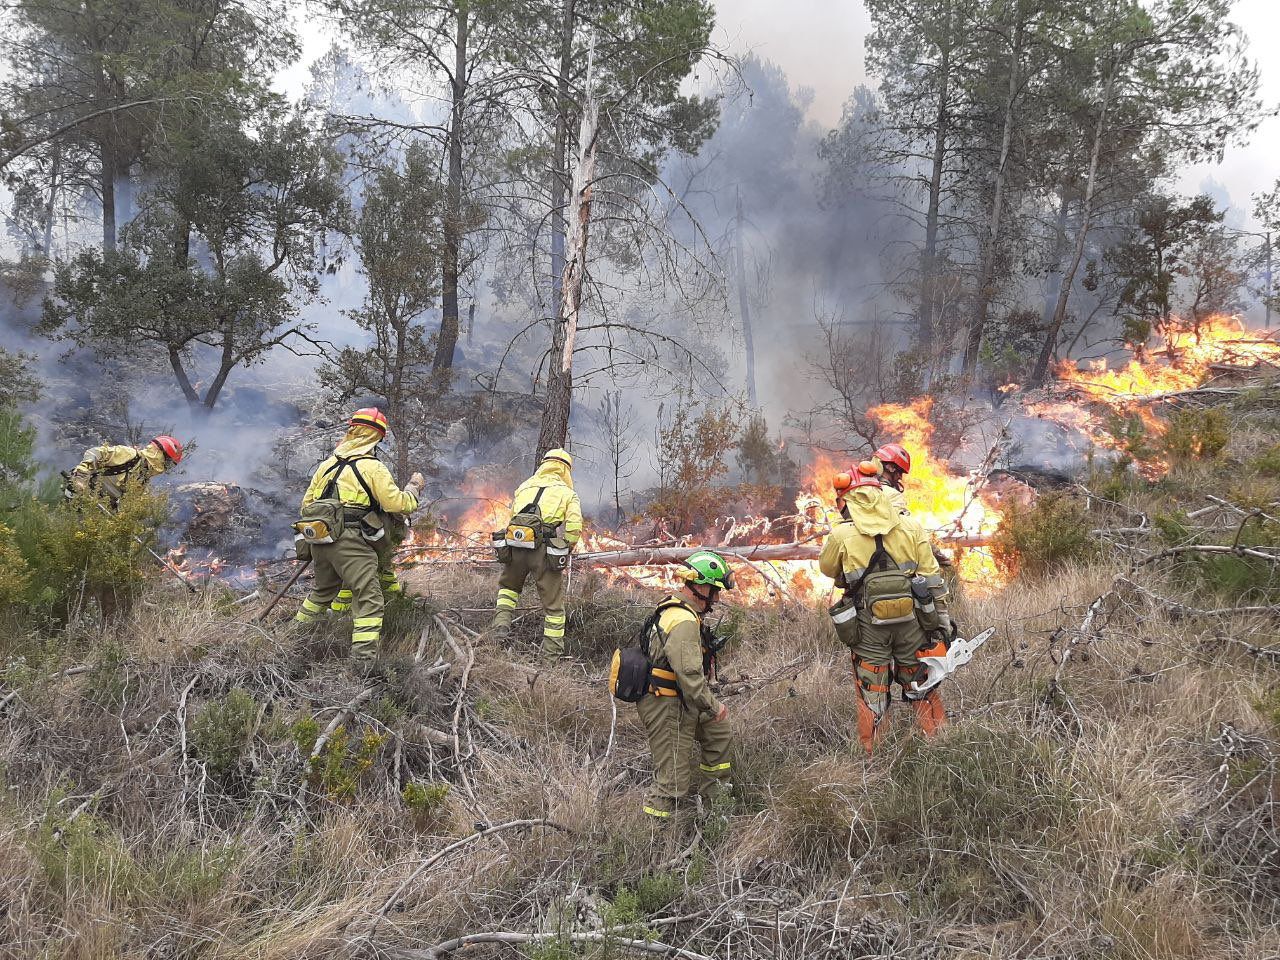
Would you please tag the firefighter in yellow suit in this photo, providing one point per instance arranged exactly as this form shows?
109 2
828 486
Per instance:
545 558
108 471
876 538
354 475
680 710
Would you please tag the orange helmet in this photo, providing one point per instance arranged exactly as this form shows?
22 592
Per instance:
370 417
171 448
896 454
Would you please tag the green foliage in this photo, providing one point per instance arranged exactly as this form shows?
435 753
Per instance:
1267 463
691 449
109 682
305 732
82 854
220 732
339 767
1196 435
425 801
1039 539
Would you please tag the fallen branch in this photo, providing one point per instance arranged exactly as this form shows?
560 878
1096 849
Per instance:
1208 548
484 831
647 556
69 672
458 943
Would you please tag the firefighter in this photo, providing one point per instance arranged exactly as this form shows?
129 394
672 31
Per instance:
894 464
681 710
108 471
354 482
546 522
894 607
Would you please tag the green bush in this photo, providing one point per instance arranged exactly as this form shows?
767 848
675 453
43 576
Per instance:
1043 537
340 765
1196 435
1267 463
425 801
220 732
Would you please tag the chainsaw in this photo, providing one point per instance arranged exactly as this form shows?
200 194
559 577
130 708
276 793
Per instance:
958 654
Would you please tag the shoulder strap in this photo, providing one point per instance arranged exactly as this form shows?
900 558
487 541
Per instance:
120 468
336 471
654 621
534 502
879 560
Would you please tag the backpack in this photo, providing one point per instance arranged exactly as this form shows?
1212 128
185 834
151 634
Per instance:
323 520
632 674
885 589
526 529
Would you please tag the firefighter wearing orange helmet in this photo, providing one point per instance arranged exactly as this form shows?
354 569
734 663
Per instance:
894 606
345 514
110 470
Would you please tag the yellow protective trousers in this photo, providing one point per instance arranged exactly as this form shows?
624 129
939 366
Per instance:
550 583
678 768
350 560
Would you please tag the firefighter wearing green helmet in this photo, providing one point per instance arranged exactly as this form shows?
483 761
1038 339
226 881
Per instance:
680 710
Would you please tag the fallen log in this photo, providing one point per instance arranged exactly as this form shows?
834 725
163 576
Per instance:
652 556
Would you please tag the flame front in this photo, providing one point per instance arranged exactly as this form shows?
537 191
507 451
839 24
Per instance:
1182 361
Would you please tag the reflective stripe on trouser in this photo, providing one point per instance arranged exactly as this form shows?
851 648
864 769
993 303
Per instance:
352 563
688 753
390 582
342 602
308 611
550 583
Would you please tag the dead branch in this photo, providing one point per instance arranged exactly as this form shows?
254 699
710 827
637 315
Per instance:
470 658
69 672
1208 548
458 943
484 831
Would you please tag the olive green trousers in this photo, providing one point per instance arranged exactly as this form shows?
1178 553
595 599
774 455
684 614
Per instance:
550 583
690 754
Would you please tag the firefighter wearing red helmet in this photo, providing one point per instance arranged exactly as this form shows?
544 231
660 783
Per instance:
345 513
895 463
894 607
110 470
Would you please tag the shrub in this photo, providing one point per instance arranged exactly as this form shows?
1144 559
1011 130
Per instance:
425 801
1267 463
1196 435
221 731
1041 538
340 765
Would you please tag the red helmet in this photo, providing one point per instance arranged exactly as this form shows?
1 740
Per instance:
896 454
370 417
171 448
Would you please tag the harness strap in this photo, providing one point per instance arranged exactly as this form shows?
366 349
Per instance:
879 560
336 471
119 468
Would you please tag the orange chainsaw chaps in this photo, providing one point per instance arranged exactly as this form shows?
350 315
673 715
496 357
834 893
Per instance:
868 725
930 713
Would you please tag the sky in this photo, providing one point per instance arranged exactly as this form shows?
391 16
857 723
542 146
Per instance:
819 44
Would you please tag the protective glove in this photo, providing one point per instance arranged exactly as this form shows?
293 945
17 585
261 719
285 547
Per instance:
945 623
415 485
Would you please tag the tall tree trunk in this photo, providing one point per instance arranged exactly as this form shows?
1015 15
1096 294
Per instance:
986 271
1053 282
744 305
226 363
107 184
447 342
555 415
928 315
51 202
1082 235
560 149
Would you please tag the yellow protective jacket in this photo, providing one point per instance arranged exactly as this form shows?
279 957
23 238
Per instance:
681 653
118 464
360 442
559 504
849 547
897 498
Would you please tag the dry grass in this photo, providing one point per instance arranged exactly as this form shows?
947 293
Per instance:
1119 805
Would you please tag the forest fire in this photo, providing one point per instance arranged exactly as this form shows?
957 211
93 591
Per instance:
1110 405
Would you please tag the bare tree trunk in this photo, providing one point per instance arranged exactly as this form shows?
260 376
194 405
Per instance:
447 342
555 415
180 374
744 305
560 149
929 255
471 321
1054 282
50 203
986 272
1082 235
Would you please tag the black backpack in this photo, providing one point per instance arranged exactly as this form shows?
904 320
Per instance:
631 675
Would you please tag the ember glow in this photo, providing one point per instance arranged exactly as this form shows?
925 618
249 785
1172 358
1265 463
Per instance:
1089 399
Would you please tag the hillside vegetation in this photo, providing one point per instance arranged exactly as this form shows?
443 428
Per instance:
182 783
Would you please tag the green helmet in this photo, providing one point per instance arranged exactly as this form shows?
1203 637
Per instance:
708 567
